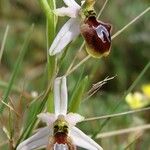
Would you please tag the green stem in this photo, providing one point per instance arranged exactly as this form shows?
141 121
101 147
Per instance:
51 20
51 60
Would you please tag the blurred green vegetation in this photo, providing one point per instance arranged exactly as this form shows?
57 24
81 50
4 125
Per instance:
129 55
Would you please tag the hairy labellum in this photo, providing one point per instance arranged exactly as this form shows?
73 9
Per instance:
60 139
97 36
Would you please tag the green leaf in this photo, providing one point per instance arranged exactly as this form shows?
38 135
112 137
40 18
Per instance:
16 68
28 129
31 112
77 95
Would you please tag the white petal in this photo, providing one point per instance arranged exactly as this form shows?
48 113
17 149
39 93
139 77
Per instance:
82 140
73 118
47 118
67 11
40 139
71 3
60 96
67 33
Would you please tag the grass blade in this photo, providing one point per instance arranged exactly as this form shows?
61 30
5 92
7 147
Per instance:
127 92
124 131
27 131
77 95
16 68
3 42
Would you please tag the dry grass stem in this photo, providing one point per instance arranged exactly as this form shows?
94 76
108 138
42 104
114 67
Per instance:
118 114
78 65
123 131
130 23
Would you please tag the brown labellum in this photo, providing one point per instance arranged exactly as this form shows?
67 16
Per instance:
60 138
97 36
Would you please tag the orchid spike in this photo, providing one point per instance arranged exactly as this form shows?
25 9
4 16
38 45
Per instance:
60 132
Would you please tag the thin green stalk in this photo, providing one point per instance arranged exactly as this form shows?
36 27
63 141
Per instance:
16 68
51 60
51 20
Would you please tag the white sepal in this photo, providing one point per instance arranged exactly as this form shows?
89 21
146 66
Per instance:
82 140
67 33
47 118
71 3
67 11
40 139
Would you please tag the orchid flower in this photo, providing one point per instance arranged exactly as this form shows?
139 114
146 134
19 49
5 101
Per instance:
82 20
60 132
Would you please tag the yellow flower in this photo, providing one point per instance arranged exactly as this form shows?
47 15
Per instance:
146 90
137 100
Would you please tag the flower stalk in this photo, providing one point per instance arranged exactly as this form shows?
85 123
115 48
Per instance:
51 20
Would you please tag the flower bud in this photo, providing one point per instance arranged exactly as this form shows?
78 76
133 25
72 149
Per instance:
97 36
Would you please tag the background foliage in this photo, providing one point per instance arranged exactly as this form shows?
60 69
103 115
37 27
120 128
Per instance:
129 55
